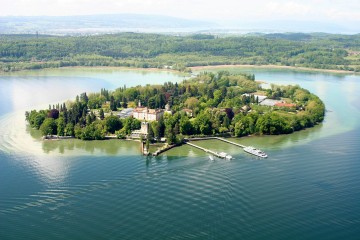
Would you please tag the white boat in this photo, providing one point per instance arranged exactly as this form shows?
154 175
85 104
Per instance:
222 154
225 155
211 158
255 152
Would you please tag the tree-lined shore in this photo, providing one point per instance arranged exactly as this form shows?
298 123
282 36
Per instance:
319 51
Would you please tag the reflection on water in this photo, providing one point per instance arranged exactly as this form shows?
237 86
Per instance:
105 147
76 146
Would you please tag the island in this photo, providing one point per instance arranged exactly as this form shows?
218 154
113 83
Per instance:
209 104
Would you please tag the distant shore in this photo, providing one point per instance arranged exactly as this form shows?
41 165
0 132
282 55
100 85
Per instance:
199 68
195 68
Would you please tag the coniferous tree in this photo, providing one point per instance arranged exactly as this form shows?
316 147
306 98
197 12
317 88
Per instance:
101 114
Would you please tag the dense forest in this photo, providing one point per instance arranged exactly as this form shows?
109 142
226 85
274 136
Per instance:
220 104
323 51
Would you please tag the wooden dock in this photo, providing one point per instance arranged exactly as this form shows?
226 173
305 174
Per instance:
206 150
220 139
217 138
227 141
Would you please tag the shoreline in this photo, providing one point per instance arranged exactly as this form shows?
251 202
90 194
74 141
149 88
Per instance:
195 68
199 68
105 68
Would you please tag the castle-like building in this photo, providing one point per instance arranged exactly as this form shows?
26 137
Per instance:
147 114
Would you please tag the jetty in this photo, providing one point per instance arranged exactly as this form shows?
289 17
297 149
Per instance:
233 143
216 154
224 155
254 151
217 138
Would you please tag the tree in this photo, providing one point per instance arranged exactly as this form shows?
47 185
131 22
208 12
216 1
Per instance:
69 130
88 119
101 114
124 103
151 102
36 118
84 98
170 135
161 126
226 122
176 128
112 123
78 131
191 103
155 126
185 126
150 135
217 97
202 123
60 123
48 127
113 104
94 131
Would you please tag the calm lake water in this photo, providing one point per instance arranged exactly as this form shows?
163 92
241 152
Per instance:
308 188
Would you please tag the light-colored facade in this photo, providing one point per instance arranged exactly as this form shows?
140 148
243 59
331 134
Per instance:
143 131
144 113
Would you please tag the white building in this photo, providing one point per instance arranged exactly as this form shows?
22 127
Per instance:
147 114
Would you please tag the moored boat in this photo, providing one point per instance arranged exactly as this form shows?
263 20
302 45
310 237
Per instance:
222 154
255 152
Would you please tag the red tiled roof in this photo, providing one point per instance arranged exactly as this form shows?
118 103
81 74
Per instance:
285 105
147 110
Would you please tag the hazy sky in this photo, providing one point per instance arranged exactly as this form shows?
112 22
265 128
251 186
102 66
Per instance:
319 10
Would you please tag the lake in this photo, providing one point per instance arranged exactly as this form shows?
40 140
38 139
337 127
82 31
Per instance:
308 188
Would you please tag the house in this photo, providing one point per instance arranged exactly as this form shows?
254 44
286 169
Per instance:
188 112
245 108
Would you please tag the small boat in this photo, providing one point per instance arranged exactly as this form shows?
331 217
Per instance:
255 152
211 158
225 155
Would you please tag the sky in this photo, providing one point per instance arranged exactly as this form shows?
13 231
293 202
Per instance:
330 11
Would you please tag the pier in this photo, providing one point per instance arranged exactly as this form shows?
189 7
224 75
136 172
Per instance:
252 150
217 138
187 141
219 155
233 143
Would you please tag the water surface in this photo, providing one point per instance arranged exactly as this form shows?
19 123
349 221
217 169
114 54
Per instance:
306 189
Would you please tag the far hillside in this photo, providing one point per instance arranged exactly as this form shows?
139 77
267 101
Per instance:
321 51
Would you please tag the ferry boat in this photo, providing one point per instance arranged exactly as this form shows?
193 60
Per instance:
255 152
